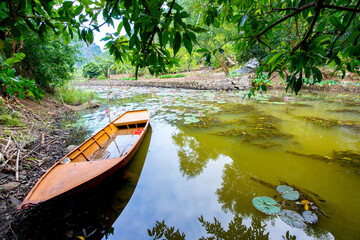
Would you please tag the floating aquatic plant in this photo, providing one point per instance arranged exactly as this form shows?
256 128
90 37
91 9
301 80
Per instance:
310 217
191 120
292 219
288 192
266 205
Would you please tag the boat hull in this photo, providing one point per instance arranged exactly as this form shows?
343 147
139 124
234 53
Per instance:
92 161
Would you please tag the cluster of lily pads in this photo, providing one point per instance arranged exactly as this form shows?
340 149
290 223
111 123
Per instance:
269 206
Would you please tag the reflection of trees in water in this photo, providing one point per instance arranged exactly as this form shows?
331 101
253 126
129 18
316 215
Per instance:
236 230
193 154
236 190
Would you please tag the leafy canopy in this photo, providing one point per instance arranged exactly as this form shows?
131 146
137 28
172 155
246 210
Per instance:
299 35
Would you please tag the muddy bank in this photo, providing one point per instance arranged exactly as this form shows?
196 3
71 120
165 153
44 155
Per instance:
218 81
28 150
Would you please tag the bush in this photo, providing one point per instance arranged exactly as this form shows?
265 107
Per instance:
91 70
71 95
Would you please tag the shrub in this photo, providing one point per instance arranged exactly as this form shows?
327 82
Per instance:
91 70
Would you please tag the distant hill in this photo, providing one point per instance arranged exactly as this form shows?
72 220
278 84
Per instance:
87 53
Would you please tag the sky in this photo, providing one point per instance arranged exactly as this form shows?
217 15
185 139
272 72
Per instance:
102 33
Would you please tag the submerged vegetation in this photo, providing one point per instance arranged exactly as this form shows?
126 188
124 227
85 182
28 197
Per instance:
327 123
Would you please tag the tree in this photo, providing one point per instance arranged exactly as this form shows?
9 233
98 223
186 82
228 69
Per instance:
323 31
311 34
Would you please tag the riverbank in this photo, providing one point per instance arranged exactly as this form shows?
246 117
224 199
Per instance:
37 138
211 80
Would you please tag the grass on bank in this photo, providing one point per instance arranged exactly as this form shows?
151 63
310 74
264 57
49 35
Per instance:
71 95
179 75
9 117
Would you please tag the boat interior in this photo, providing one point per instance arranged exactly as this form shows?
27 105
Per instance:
115 140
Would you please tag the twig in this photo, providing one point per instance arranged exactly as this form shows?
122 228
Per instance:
7 145
318 7
17 166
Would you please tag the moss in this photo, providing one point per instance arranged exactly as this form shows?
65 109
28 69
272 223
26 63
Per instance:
327 123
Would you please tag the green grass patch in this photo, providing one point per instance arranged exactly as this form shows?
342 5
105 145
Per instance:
179 75
71 95
127 78
9 117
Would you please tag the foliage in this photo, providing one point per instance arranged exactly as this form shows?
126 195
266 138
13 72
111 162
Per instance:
326 32
161 231
293 37
12 84
179 75
91 70
266 205
48 60
236 229
70 95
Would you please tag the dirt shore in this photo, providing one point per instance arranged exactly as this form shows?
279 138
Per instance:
217 80
28 150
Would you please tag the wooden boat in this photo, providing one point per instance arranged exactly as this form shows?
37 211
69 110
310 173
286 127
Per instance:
99 156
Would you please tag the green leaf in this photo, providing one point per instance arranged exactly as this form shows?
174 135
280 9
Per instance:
202 50
78 10
317 73
127 26
265 204
90 36
243 19
16 58
177 42
288 192
187 42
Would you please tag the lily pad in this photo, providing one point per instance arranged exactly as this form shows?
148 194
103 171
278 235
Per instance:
288 192
266 205
310 217
191 119
292 219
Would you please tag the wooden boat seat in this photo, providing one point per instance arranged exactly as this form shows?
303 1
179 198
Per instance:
133 118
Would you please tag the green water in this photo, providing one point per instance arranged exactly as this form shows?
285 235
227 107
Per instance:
211 153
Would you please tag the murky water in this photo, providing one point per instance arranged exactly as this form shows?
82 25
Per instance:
211 153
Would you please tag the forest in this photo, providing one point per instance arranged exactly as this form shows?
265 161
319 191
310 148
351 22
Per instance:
295 38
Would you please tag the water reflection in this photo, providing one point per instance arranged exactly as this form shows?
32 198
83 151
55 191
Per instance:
88 214
214 230
211 154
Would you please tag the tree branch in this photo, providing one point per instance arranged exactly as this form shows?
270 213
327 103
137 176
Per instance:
295 12
108 18
355 10
318 7
346 27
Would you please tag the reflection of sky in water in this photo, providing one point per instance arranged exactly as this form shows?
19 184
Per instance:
164 192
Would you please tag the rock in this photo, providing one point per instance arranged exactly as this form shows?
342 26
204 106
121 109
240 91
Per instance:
250 67
70 148
10 185
15 202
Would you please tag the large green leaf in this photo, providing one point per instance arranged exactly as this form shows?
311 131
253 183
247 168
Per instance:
177 42
187 42
288 192
266 205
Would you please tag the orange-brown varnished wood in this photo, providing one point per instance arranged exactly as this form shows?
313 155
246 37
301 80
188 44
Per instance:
99 156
